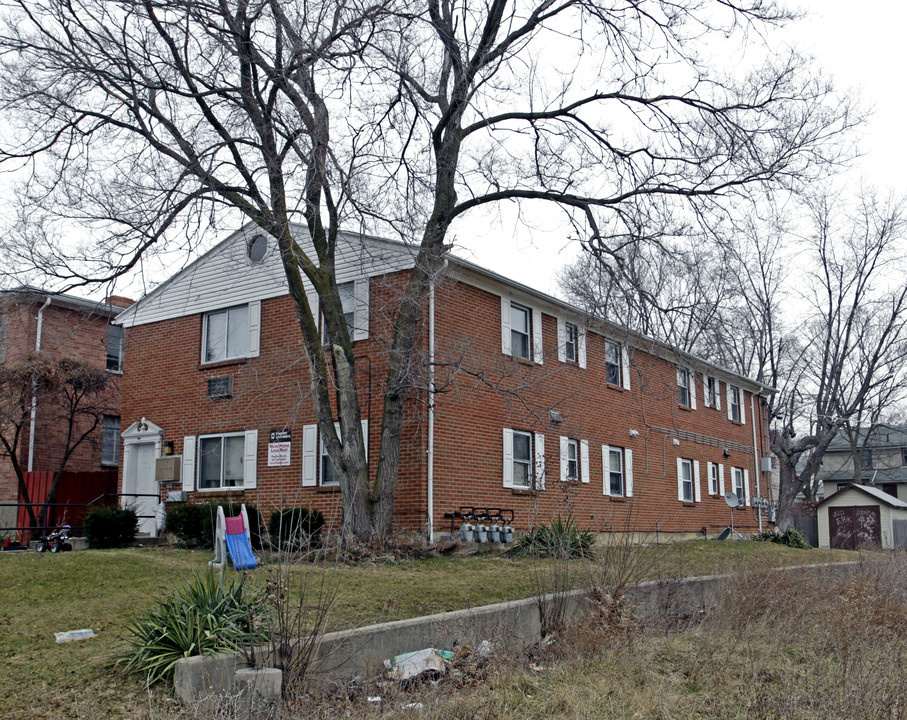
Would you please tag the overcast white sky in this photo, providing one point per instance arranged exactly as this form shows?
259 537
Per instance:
861 46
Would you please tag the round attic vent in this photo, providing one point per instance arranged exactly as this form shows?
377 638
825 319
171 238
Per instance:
257 248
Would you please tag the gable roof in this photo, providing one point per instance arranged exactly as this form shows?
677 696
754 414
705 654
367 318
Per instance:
880 435
872 492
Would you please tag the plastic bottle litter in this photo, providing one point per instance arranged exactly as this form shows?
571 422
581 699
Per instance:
70 635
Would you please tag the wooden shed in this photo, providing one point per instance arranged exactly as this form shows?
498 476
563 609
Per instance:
862 515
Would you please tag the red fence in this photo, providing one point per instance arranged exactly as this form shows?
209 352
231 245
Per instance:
75 490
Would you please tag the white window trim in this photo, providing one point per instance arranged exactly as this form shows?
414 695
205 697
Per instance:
730 415
705 391
191 468
253 346
627 471
622 362
536 353
694 477
721 487
691 387
537 452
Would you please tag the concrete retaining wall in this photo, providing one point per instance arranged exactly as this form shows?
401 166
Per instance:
510 625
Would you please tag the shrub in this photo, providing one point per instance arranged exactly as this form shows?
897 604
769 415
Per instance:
199 618
562 538
110 527
194 525
789 537
292 528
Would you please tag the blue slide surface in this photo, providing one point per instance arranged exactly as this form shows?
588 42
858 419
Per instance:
240 552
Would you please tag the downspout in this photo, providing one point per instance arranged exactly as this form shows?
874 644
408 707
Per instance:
431 404
34 389
756 460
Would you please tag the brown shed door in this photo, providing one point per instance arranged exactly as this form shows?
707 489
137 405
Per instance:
854 527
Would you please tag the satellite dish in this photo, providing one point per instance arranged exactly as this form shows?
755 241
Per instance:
732 500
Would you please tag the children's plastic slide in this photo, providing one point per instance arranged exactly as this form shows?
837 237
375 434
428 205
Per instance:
231 536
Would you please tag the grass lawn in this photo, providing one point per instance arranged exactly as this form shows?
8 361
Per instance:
103 590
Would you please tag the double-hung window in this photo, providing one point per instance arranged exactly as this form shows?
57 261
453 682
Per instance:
688 480
570 339
520 322
733 395
710 387
615 471
572 459
110 440
522 459
683 387
347 293
220 461
612 362
713 479
116 337
866 458
226 334
739 485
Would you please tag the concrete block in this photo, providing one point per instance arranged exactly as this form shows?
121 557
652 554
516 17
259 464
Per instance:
205 676
258 692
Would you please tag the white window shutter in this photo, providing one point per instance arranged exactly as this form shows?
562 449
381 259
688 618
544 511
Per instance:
250 461
361 311
696 483
746 486
506 338
742 408
680 479
628 472
708 477
721 489
692 379
254 328
717 394
581 346
705 390
729 416
561 340
508 455
606 468
625 365
564 441
539 461
537 354
584 460
309 455
188 470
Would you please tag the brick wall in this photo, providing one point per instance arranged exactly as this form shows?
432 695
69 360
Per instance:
69 333
165 382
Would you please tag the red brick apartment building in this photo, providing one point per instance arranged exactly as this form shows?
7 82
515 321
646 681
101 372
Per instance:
61 326
538 408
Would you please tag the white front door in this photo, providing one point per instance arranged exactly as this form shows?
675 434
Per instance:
139 484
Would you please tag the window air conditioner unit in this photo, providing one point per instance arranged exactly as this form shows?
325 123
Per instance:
221 387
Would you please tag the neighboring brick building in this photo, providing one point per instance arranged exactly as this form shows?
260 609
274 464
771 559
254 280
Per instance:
60 326
548 411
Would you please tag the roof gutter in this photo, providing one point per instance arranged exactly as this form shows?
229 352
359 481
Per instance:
34 388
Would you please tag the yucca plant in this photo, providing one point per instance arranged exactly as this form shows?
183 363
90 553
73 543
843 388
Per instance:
201 617
562 538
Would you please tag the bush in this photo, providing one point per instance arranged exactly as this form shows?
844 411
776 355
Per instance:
789 537
201 617
110 527
194 525
562 538
293 528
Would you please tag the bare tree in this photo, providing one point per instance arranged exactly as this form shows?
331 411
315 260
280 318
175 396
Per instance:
144 120
852 343
72 398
